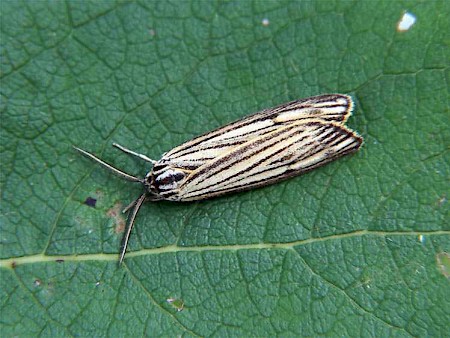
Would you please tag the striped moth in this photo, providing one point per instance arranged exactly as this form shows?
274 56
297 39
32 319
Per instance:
260 149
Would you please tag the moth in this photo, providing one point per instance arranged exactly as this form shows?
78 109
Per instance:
260 149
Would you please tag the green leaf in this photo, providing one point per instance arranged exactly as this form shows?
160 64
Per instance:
357 248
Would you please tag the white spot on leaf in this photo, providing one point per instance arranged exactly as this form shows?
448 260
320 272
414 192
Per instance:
406 22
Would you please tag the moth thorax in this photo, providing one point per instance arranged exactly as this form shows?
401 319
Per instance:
168 179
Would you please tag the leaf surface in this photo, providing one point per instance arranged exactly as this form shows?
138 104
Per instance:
357 248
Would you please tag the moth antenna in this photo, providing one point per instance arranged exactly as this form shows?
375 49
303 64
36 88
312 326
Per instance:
131 152
110 167
130 222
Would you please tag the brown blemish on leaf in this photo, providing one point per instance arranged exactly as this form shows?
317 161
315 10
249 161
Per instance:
443 263
120 227
116 214
111 213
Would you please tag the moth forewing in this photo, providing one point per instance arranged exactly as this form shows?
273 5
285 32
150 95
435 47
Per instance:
329 107
286 152
260 149
248 153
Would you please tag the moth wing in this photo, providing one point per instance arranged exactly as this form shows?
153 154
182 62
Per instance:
282 153
195 153
329 107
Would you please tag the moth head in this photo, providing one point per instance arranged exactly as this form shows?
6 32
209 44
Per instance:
163 180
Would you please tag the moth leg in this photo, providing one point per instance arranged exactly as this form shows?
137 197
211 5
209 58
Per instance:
132 204
130 222
130 152
128 207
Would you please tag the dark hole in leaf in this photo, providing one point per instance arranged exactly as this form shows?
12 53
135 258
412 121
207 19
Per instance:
90 202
